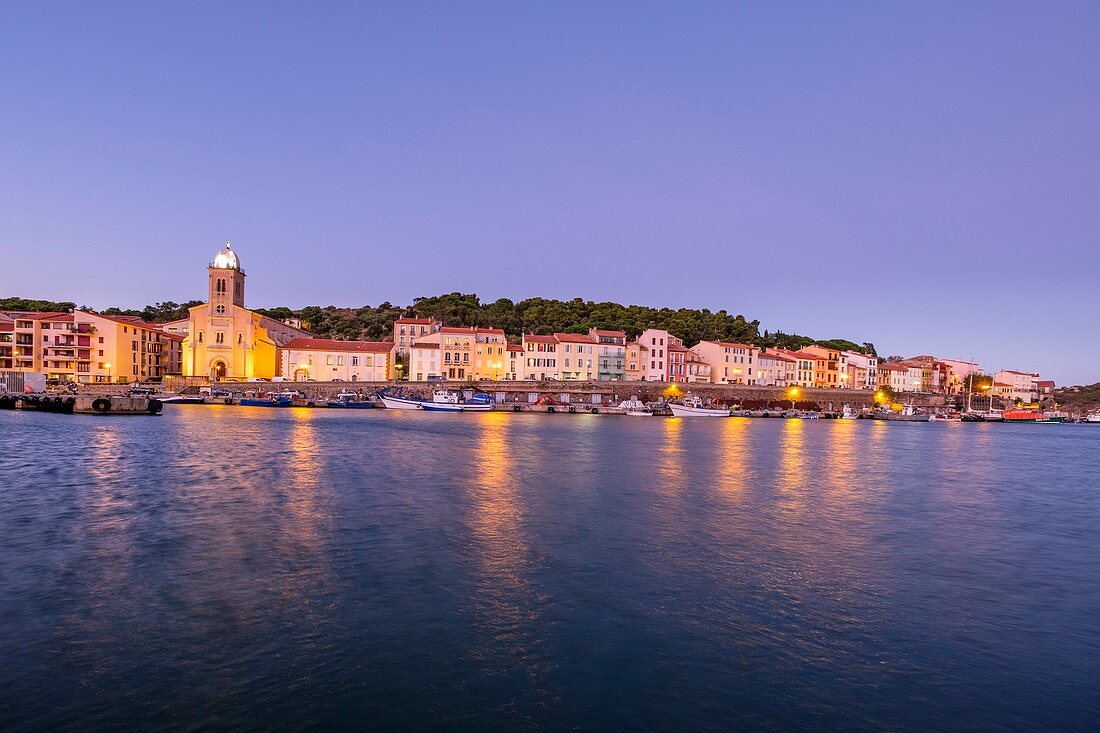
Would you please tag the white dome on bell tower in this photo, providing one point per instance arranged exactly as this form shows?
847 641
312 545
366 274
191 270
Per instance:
226 259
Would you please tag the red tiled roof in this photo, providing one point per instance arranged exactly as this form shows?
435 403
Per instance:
425 345
778 355
576 338
308 344
674 348
1045 383
457 329
416 321
728 344
515 347
602 332
539 339
35 315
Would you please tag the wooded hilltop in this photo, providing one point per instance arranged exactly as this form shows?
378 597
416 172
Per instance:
532 315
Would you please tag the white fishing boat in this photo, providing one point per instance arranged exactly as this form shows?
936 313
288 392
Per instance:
848 413
693 407
635 408
184 400
453 402
398 401
1092 417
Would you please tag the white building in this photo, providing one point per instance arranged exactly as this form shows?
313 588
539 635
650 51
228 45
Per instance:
730 363
328 360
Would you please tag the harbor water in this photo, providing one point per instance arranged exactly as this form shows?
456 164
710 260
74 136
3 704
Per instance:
248 568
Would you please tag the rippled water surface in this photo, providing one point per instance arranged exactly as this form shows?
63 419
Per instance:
261 568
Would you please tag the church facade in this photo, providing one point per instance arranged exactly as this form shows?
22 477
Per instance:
225 340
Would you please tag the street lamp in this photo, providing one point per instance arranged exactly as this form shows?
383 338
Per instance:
398 369
107 366
793 394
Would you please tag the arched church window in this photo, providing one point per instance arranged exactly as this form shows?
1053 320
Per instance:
240 337
200 337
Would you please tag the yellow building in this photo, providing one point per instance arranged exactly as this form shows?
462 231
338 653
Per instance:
86 347
225 340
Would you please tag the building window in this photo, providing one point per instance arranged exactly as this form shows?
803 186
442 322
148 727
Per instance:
219 337
220 310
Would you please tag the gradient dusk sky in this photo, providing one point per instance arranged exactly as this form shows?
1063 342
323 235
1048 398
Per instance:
921 175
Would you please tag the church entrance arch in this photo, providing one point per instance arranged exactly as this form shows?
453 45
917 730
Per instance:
301 375
217 371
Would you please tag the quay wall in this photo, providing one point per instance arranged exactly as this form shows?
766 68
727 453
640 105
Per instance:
581 392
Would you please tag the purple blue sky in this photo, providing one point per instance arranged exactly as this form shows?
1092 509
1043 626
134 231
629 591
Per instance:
922 175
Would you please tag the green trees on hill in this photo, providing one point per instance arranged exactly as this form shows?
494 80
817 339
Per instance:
532 315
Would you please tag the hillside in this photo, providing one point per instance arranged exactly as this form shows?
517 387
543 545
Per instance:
532 315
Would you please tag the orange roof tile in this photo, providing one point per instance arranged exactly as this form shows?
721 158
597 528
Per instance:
311 344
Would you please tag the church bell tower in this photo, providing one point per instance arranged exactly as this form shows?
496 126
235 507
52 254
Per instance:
226 281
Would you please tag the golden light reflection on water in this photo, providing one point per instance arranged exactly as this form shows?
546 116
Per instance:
503 600
306 462
671 464
792 466
733 457
842 461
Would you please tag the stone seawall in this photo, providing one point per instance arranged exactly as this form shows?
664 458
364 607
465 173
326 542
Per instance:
585 392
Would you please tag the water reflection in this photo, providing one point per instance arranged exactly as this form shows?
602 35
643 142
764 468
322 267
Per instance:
733 457
503 601
791 474
671 465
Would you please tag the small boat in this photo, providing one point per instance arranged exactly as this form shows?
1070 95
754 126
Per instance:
848 413
452 402
349 400
1092 417
635 408
270 399
908 413
693 407
398 401
184 400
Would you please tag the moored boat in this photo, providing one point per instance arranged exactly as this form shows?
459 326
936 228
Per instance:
907 413
453 402
397 400
693 407
184 400
635 408
349 400
269 399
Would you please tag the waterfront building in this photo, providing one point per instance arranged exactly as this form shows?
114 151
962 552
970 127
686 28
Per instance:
224 339
1023 384
458 353
7 342
657 342
862 370
777 368
636 363
829 366
515 362
405 331
425 360
959 373
120 348
730 363
576 356
541 360
327 360
610 354
490 361
1045 389
892 375
85 347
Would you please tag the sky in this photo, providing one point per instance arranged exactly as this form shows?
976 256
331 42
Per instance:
920 175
